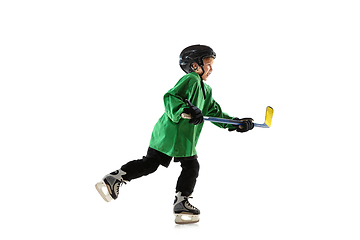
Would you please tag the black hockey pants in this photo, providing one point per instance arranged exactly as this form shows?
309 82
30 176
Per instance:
150 163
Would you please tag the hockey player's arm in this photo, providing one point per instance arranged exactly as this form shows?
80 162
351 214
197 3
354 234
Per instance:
247 122
174 99
174 106
215 111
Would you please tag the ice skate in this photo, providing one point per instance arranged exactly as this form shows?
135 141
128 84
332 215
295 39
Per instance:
110 184
184 212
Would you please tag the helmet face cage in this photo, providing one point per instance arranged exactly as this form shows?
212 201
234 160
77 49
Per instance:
194 54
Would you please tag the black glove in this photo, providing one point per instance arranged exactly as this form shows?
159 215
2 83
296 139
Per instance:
196 115
247 124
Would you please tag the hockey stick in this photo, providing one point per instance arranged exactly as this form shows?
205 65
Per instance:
266 124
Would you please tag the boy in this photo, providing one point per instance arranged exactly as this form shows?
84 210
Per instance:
175 137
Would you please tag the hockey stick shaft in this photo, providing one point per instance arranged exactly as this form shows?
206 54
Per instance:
233 122
266 124
224 120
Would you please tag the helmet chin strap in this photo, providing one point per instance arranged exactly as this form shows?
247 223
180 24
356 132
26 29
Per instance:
202 81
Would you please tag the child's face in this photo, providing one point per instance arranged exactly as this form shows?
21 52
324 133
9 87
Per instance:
208 62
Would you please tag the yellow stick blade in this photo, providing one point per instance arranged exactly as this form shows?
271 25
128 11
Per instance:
269 115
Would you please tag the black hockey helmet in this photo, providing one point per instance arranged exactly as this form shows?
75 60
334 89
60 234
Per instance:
194 54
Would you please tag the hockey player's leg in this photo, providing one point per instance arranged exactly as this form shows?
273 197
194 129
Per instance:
147 165
129 171
187 179
139 168
185 212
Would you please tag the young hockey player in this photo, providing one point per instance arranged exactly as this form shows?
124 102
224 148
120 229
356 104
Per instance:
176 137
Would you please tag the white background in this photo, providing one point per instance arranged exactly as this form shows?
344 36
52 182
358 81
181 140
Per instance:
81 89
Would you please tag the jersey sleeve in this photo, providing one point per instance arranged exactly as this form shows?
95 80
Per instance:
174 106
216 111
186 88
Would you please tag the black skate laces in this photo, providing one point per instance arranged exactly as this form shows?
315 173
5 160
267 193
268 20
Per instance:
121 182
187 204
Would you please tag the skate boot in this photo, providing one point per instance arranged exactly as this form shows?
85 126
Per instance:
185 212
111 182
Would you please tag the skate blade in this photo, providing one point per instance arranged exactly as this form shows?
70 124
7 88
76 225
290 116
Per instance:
186 219
105 195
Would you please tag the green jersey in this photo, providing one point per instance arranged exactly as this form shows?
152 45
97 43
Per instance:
175 136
